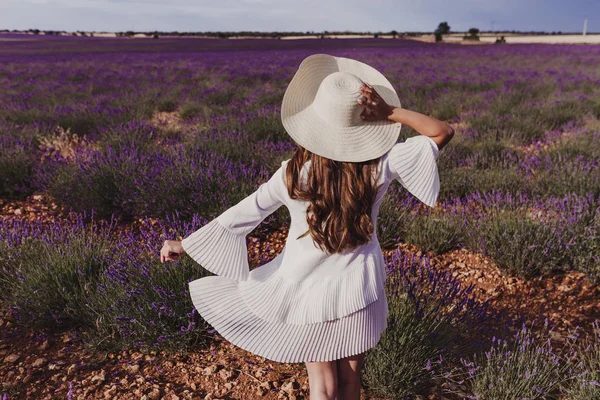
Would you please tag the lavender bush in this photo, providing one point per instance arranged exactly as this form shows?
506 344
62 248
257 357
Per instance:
528 366
128 181
18 163
429 313
49 272
584 374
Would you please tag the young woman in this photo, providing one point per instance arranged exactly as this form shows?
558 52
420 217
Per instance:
322 300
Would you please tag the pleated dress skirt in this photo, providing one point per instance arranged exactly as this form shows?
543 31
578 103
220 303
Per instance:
218 301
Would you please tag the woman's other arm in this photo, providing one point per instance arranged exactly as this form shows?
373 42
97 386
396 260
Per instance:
439 131
376 108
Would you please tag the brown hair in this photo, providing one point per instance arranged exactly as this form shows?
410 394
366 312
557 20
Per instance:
341 196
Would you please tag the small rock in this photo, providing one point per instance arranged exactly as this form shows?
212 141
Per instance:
134 369
40 362
210 370
224 374
108 394
72 369
11 358
100 377
289 387
154 394
266 385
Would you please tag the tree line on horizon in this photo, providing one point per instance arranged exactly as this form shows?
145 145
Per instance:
443 28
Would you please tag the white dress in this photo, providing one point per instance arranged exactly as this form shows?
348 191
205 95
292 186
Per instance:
304 305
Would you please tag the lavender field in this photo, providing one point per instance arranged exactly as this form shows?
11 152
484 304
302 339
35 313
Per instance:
146 140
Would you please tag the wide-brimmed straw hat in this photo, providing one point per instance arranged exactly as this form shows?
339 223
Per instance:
320 109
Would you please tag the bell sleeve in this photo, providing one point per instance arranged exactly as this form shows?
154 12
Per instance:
414 164
220 245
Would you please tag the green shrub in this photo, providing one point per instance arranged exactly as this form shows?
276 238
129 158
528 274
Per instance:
18 166
189 110
524 368
435 233
49 280
167 105
393 220
522 246
584 381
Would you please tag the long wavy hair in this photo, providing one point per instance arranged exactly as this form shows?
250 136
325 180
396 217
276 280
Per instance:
341 196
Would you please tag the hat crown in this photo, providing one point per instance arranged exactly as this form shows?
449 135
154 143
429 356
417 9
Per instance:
336 100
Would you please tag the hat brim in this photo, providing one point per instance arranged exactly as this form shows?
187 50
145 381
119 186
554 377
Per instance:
364 141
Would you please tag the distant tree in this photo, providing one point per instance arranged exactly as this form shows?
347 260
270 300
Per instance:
443 28
473 34
376 35
394 34
155 36
501 40
129 34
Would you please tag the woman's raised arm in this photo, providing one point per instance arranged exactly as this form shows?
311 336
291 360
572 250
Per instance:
440 132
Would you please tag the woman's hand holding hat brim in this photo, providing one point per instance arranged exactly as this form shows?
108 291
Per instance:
375 106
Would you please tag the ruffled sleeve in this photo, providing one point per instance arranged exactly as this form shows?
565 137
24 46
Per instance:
220 245
414 164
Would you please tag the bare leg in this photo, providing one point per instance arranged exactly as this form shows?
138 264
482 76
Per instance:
349 370
323 380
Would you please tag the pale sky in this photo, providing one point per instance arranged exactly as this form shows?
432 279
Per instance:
290 15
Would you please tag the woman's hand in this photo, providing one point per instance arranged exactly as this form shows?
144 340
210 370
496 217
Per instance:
375 107
171 250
